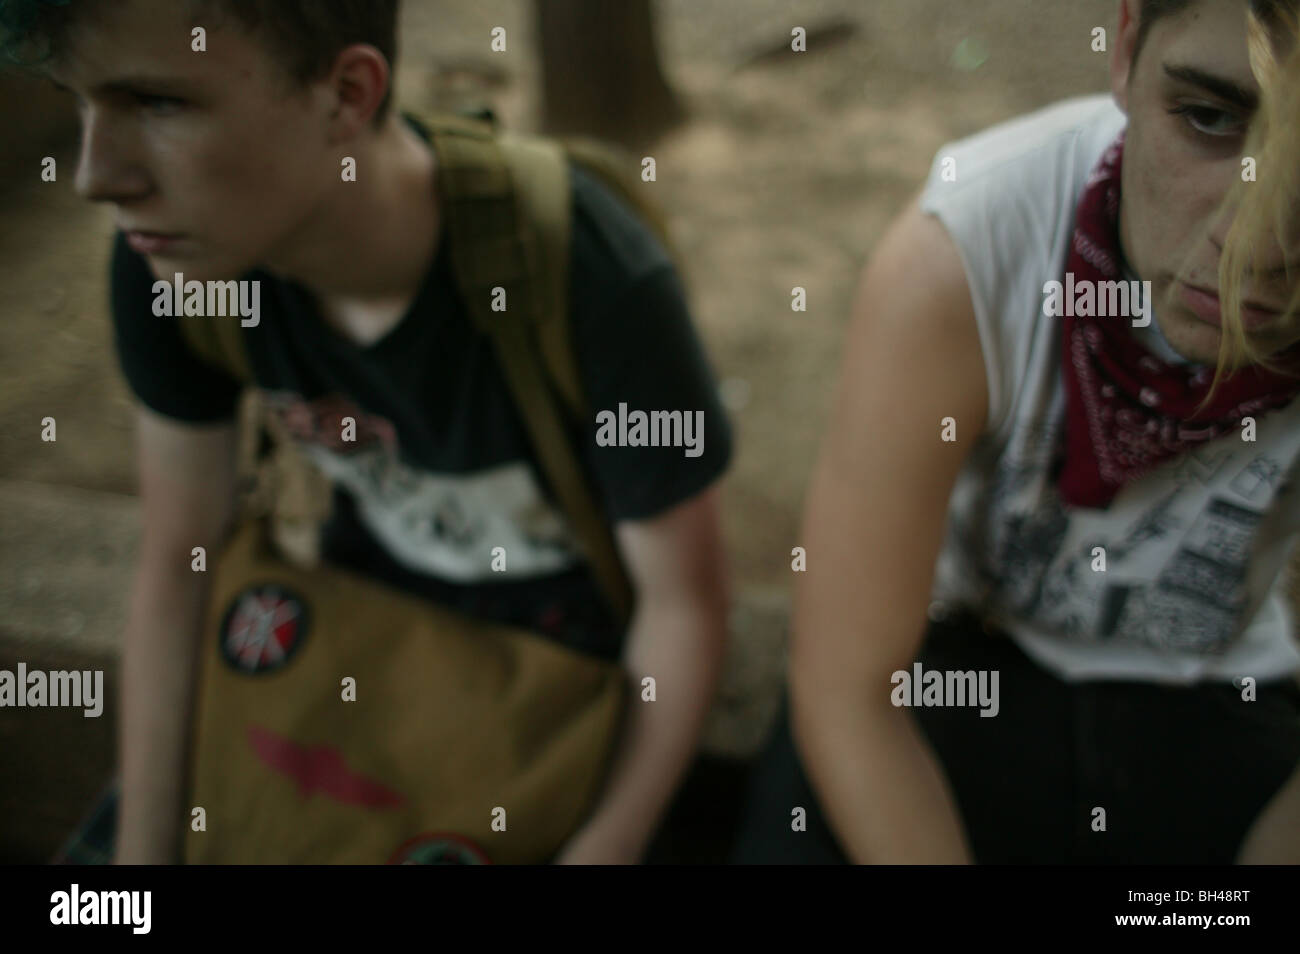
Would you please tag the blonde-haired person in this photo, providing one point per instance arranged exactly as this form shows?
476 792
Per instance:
1274 837
1265 205
1044 617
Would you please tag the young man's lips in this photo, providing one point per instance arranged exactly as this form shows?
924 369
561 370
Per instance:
1206 306
153 243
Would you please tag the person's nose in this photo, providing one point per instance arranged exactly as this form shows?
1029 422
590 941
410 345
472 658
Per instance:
106 170
1275 241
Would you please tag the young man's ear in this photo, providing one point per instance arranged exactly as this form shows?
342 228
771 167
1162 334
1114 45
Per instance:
358 84
1122 50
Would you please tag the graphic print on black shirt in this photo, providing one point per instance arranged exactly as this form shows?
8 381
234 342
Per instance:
443 525
442 470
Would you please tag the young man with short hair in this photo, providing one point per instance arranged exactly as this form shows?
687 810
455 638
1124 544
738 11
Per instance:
1094 519
225 163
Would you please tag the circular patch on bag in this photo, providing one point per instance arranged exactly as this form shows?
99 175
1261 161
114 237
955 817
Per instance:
439 848
264 626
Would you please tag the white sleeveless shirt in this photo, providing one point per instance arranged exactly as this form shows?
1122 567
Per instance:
1194 550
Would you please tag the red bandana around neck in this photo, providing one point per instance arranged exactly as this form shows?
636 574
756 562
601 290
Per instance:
1127 411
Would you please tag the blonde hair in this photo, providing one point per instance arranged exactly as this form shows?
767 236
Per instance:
1268 204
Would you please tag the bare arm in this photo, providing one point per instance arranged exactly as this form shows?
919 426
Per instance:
187 489
678 636
872 530
1274 836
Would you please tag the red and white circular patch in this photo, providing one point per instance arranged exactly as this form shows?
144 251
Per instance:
439 848
264 626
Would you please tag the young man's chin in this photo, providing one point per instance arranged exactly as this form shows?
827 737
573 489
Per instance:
1190 337
166 268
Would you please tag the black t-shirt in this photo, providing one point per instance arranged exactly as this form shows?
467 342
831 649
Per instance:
442 471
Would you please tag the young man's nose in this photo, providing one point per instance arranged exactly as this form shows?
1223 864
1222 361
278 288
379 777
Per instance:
1277 250
105 170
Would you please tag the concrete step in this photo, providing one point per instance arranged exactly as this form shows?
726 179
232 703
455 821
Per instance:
65 566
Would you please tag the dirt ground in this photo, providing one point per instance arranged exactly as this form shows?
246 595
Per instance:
786 174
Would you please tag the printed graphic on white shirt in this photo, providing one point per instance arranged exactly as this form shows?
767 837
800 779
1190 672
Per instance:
1178 544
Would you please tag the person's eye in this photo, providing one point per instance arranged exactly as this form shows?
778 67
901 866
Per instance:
1209 121
160 105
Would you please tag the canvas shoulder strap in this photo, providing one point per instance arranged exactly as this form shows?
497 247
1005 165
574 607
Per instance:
218 342
506 202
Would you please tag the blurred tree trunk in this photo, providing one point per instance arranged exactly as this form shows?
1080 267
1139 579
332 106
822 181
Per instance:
600 71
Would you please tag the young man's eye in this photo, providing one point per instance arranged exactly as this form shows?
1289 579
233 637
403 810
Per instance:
1209 121
161 105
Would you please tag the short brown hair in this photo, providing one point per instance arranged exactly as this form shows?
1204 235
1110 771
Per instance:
305 36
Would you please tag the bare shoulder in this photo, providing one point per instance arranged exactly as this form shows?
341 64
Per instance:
915 285
911 402
912 353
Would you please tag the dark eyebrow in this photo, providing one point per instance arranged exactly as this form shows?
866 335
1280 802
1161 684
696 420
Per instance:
161 85
1225 89
156 84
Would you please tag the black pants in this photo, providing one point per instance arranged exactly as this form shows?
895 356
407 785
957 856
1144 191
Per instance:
1180 772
